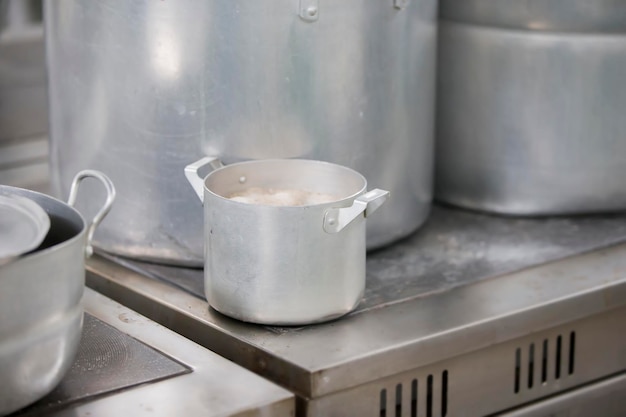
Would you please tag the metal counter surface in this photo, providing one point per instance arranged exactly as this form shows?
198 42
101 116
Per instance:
463 282
180 378
455 247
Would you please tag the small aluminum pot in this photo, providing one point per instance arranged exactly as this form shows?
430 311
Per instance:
284 265
40 299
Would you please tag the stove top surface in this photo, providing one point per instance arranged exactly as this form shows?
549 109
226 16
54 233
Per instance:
129 365
107 361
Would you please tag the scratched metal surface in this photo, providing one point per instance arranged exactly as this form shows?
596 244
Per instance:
455 247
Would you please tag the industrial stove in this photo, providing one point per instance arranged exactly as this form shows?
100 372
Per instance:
473 315
129 365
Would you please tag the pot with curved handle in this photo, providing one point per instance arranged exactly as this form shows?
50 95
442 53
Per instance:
294 251
40 299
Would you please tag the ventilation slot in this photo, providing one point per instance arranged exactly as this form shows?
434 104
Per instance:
414 398
444 394
399 400
401 407
539 355
572 352
429 396
383 403
531 365
544 362
557 368
518 365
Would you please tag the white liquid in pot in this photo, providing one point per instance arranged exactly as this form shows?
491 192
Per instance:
281 197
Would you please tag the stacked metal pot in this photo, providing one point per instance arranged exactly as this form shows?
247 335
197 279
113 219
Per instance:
42 277
531 106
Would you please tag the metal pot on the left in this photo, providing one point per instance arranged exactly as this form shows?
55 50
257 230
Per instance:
40 299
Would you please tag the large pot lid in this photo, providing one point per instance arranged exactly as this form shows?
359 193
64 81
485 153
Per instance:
23 226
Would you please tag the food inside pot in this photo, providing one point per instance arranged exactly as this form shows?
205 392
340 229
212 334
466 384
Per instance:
281 197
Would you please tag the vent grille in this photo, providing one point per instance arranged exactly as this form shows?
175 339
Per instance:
551 363
392 404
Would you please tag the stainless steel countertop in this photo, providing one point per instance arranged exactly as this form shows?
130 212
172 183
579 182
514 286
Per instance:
454 248
464 282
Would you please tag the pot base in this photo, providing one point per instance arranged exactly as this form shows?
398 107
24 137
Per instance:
269 321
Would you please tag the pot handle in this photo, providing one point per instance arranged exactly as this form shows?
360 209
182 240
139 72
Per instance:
197 172
336 219
106 207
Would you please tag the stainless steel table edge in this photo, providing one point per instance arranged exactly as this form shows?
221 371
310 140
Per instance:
212 388
377 343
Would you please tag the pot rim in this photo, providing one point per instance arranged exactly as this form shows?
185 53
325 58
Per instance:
56 202
344 168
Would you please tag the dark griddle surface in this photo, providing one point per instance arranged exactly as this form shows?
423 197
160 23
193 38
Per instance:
107 361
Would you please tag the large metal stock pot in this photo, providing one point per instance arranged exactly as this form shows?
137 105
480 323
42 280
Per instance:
531 106
41 315
141 89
